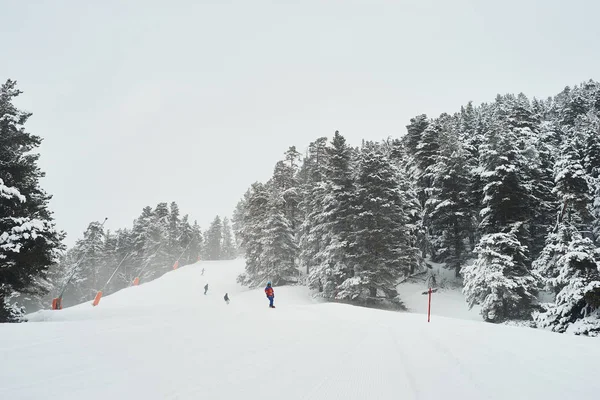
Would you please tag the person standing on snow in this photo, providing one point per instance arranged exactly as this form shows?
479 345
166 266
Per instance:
202 271
226 298
206 288
270 294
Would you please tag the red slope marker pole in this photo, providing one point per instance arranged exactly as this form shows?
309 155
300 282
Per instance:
97 298
429 307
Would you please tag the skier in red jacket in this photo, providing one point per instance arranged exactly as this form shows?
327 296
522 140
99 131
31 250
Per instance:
270 294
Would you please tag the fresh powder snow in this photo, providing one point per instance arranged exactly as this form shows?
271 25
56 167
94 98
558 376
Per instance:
167 340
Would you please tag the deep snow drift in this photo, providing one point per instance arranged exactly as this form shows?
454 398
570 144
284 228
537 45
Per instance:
166 340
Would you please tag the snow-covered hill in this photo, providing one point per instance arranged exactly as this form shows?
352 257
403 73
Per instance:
166 340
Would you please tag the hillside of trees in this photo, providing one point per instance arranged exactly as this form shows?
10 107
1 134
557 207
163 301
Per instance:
158 239
506 194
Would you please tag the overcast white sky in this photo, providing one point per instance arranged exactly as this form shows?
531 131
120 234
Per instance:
146 101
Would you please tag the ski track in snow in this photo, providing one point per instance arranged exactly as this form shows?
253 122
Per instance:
166 340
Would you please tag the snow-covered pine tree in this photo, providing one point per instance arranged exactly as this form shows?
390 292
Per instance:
507 199
195 248
571 265
426 154
214 239
571 186
175 230
228 248
110 262
536 172
572 103
139 235
570 262
312 229
499 279
124 252
337 213
588 129
88 266
292 192
395 150
252 234
380 251
414 131
237 221
311 177
29 241
186 239
448 210
279 247
156 244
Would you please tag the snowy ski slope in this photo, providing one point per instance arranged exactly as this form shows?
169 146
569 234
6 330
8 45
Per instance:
166 340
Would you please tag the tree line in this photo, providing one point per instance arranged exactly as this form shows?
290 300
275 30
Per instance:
506 194
159 238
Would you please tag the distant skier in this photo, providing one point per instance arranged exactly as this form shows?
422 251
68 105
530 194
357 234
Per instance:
226 298
206 288
202 271
270 294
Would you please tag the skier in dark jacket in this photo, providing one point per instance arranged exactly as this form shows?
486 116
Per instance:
226 298
206 288
270 294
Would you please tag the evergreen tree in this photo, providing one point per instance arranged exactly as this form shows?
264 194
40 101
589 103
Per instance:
571 186
573 103
88 268
448 210
214 237
139 237
197 242
425 156
336 221
255 215
29 241
278 246
157 254
237 221
535 169
291 188
228 249
312 230
175 231
124 252
381 250
507 201
590 132
499 279
571 266
414 131
186 239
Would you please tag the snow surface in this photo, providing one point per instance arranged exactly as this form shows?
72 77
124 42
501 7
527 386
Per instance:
166 340
447 301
